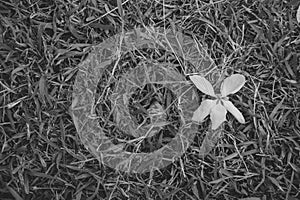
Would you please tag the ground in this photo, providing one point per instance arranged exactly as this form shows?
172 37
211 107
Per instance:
43 41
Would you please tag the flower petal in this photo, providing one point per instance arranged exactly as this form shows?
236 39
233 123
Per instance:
203 110
232 84
234 111
217 115
203 85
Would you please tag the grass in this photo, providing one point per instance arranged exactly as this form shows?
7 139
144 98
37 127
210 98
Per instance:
41 44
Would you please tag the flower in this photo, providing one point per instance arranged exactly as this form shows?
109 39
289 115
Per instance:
218 107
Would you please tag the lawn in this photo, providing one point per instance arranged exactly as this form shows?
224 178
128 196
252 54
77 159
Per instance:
44 153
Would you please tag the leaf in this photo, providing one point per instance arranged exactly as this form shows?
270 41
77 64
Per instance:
209 142
234 111
275 182
203 110
277 107
217 115
120 9
195 190
42 88
232 84
75 32
101 26
14 193
298 14
203 85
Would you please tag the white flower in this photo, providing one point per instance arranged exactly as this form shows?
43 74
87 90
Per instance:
217 108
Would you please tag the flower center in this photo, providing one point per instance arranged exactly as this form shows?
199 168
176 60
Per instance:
220 98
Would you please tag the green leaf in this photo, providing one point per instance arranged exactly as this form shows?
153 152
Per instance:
203 110
209 142
203 85
275 182
232 84
217 115
14 193
234 111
